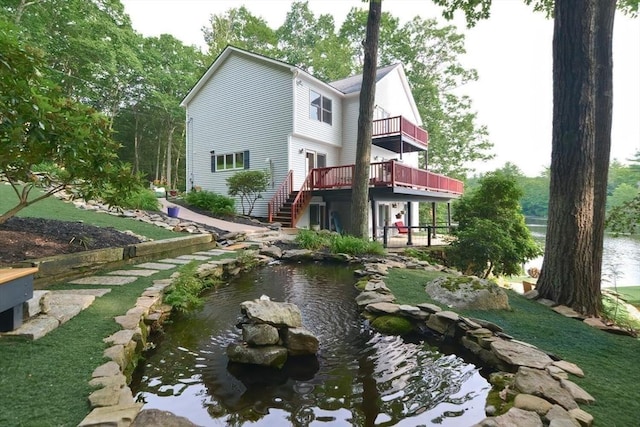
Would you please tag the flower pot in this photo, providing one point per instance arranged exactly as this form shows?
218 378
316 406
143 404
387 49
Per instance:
173 211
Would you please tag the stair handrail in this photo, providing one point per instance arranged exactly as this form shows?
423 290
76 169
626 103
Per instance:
280 196
303 198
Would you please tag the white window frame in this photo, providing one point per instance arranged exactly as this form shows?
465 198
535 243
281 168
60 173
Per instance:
323 114
224 157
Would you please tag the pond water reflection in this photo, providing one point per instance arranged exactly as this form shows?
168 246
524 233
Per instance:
359 377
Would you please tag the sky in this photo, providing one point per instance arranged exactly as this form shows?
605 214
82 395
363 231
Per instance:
511 52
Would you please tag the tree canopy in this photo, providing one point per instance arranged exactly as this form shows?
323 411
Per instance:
429 52
39 124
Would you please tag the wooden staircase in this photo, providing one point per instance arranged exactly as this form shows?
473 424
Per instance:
287 205
284 214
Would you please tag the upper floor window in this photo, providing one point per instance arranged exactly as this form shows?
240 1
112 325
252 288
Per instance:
229 161
320 108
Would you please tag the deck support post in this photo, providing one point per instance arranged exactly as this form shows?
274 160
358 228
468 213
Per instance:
374 219
433 218
409 229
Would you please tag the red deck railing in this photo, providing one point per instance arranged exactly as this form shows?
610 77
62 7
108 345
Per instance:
381 174
280 196
303 198
399 126
388 174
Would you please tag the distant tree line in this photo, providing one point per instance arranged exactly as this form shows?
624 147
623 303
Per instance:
623 186
94 55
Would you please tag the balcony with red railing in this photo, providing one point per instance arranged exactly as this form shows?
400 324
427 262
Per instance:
392 131
386 174
381 175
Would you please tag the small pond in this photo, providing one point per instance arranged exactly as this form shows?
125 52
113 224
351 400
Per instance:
359 377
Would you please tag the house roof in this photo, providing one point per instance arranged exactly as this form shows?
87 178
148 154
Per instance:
353 84
347 86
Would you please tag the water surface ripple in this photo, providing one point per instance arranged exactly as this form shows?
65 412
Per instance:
359 377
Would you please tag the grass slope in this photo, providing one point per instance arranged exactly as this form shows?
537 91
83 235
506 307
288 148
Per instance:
47 379
53 208
609 361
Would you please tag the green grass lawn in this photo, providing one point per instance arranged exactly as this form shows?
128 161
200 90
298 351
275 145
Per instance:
47 379
610 362
631 294
53 208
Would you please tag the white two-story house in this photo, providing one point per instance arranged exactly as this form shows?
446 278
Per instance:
249 111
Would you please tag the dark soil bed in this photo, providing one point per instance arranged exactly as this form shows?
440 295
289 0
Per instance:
31 238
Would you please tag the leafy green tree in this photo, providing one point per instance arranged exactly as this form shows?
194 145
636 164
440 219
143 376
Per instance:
625 218
492 237
240 28
249 185
430 54
38 124
623 193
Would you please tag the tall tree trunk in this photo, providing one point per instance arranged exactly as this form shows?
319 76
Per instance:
136 144
168 163
567 269
360 209
603 42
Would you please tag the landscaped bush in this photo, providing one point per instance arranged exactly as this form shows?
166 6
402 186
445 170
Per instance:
351 245
312 240
337 243
213 202
184 292
140 198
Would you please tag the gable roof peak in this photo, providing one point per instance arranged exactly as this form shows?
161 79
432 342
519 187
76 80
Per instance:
353 84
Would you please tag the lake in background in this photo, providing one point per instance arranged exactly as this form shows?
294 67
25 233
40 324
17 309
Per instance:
620 258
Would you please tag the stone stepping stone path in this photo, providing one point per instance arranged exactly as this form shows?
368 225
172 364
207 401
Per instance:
105 280
49 309
156 266
175 261
134 272
215 252
195 257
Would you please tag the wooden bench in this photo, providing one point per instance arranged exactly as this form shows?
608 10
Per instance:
16 287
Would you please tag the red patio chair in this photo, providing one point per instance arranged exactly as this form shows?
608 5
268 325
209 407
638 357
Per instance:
402 229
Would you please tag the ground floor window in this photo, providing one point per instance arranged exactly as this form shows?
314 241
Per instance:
229 161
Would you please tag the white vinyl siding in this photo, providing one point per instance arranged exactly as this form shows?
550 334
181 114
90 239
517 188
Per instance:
246 105
389 96
298 164
308 127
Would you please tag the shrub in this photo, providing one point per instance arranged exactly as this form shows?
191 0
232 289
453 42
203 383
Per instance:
213 202
248 185
492 236
312 240
337 243
139 198
355 246
184 292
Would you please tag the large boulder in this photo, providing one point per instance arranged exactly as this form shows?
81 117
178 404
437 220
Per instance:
540 383
273 313
519 354
300 342
273 356
261 334
465 292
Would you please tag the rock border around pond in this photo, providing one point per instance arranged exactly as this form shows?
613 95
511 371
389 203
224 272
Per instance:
535 382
